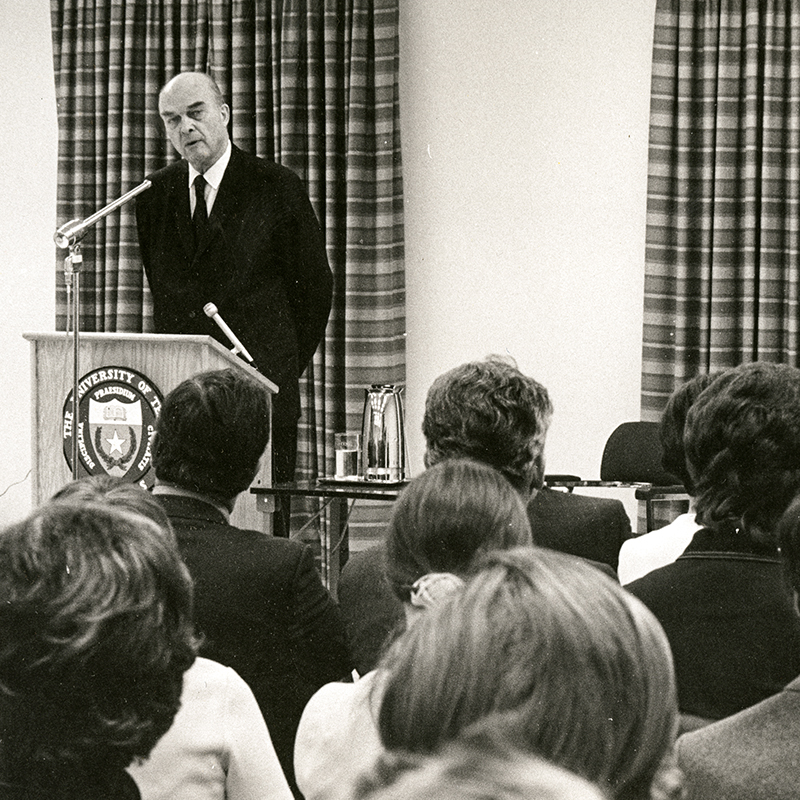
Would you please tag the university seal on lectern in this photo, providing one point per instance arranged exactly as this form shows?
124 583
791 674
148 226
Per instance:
117 412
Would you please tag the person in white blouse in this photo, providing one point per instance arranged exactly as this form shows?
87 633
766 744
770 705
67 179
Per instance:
218 747
443 521
643 554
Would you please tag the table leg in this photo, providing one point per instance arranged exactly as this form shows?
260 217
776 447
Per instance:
336 534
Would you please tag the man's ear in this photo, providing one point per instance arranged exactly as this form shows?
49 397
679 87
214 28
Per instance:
225 112
537 472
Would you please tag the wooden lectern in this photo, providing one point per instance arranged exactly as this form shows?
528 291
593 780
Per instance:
165 359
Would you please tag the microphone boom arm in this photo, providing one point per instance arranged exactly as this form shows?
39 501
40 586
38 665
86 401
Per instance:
73 231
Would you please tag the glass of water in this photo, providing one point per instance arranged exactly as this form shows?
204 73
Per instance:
347 447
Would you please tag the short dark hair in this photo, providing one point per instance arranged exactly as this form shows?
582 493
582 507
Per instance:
742 445
447 516
673 423
211 433
489 411
96 633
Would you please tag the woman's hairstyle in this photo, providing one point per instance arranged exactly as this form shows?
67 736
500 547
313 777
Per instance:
115 492
488 410
472 770
673 424
96 632
556 658
742 444
448 515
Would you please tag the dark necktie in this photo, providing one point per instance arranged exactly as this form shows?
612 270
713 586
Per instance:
200 217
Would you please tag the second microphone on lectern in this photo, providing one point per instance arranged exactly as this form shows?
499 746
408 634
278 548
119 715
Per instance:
211 311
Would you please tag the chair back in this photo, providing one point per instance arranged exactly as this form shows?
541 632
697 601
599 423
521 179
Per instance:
633 454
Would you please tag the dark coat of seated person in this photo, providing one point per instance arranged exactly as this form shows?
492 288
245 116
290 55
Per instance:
590 527
725 604
752 755
259 602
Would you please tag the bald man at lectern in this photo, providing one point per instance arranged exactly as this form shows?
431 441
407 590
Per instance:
224 227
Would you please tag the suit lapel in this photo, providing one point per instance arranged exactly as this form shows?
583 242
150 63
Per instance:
233 193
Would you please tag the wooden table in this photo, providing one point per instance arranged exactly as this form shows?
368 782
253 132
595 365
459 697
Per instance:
336 495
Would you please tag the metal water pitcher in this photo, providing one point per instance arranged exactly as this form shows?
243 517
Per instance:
383 438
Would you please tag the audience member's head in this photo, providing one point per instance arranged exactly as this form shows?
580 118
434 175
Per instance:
743 447
471 770
556 659
95 634
115 492
211 434
452 513
489 411
673 424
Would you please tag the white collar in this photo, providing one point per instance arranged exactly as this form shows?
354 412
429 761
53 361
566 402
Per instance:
214 173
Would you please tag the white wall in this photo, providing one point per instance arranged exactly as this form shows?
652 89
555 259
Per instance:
28 132
525 153
525 150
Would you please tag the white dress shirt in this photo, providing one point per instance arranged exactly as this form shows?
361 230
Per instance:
213 176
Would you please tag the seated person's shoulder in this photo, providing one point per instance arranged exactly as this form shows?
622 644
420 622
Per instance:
750 754
364 564
546 499
586 526
263 551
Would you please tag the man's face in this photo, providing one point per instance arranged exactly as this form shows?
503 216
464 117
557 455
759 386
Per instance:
195 122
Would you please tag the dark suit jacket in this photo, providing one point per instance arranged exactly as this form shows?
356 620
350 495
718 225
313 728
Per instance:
590 527
372 614
263 611
263 264
730 619
749 756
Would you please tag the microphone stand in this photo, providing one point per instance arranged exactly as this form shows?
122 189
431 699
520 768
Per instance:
72 280
69 236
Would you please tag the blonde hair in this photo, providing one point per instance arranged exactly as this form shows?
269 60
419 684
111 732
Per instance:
471 770
551 654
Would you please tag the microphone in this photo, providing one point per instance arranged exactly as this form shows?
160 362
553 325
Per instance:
70 233
211 311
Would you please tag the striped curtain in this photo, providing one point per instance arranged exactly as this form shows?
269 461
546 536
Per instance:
721 273
312 85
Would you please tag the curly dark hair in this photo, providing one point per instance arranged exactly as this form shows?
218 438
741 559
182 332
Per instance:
212 431
489 411
96 632
742 444
789 542
673 423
